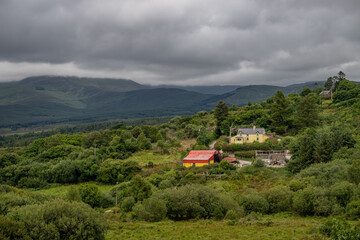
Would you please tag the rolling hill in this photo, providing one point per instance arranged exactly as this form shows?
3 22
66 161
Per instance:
57 99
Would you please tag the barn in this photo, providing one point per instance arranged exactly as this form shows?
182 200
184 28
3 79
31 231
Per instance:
200 158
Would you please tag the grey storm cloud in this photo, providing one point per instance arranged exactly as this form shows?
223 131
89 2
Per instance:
192 42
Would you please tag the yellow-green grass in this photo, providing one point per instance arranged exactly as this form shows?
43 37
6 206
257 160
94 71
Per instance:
144 157
61 190
268 228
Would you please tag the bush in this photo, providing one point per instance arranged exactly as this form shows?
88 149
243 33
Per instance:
336 229
60 219
353 210
165 184
90 194
245 154
279 199
11 229
303 201
253 202
226 165
128 204
155 208
258 163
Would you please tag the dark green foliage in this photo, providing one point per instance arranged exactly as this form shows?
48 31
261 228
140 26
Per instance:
115 171
8 159
303 201
139 188
353 210
303 151
245 154
329 83
252 201
127 204
353 172
152 210
279 113
226 165
307 112
60 219
336 230
203 139
306 91
12 230
217 214
259 163
279 199
195 201
90 194
221 113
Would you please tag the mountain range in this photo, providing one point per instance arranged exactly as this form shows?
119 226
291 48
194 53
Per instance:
59 99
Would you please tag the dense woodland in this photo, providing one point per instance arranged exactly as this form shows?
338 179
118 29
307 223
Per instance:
322 178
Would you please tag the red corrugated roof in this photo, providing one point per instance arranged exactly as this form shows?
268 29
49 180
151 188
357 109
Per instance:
200 154
230 159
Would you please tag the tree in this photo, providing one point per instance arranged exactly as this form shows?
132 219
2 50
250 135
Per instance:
280 113
305 91
329 83
307 113
303 151
139 189
90 194
221 113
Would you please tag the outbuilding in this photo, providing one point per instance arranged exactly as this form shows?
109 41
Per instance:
200 158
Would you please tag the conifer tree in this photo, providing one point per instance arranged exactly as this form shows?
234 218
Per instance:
279 113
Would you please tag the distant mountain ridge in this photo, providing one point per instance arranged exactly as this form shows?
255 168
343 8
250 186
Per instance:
52 99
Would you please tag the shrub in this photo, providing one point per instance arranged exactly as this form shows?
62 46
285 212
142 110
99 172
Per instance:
11 229
165 184
226 165
60 219
303 201
90 194
245 154
253 202
258 163
353 210
139 188
29 182
353 172
156 209
128 204
336 229
279 199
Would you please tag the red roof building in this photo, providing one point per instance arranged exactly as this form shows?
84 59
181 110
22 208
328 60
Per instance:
200 158
230 160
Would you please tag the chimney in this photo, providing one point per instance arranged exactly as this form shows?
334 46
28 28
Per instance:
254 127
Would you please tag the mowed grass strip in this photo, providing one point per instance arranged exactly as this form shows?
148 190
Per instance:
285 228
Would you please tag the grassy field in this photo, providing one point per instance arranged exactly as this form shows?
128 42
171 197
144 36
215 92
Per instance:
267 228
61 190
144 157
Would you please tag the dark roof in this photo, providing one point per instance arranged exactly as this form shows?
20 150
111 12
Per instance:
251 130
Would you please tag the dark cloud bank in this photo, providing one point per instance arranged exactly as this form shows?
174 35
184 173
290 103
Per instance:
190 42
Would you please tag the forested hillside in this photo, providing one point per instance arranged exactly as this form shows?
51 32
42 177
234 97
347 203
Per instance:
77 176
42 100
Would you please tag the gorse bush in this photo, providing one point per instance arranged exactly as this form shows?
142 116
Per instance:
59 219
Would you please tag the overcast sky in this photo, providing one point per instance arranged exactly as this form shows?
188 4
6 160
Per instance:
188 42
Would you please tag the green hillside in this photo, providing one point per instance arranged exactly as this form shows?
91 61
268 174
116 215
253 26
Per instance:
56 99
